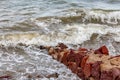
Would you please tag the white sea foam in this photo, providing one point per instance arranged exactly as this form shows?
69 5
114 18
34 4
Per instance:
70 34
32 62
110 17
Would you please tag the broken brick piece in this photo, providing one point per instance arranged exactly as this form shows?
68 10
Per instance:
95 71
84 61
72 66
87 70
102 50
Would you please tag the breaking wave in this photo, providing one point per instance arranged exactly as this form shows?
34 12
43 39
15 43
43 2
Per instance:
108 17
69 34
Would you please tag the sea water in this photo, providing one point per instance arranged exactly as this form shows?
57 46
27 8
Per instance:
27 24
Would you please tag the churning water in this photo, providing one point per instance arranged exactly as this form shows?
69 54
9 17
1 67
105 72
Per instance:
26 24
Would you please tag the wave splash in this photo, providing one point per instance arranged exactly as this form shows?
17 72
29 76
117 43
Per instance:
69 34
108 17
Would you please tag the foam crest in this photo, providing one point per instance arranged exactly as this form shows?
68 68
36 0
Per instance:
109 17
69 34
